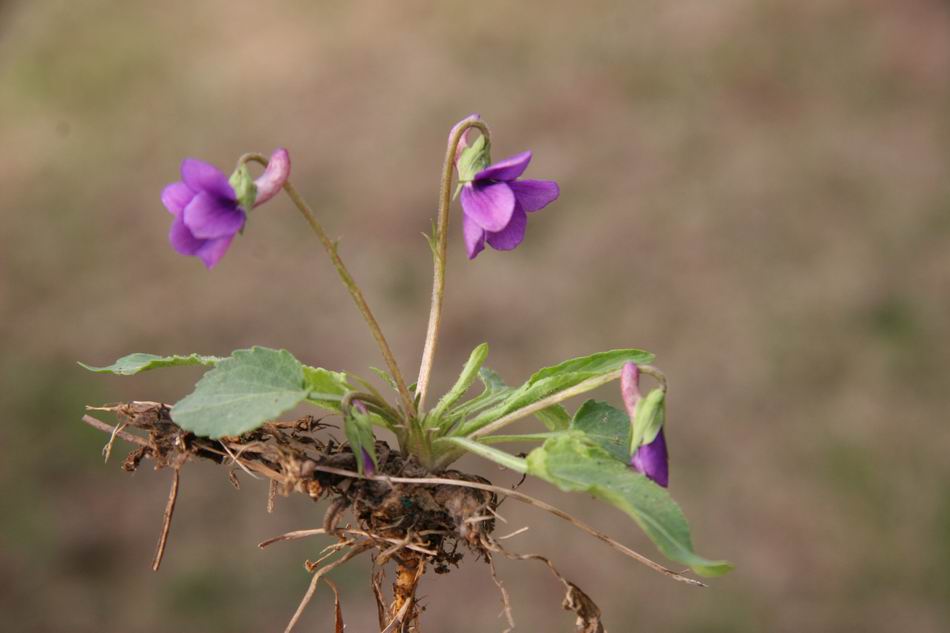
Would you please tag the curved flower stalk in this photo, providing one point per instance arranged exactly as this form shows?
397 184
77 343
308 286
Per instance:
494 210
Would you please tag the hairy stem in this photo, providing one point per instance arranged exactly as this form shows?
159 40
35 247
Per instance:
438 257
347 279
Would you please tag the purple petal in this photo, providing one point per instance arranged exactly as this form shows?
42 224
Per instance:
509 237
369 468
176 197
201 176
274 177
507 169
474 236
490 206
653 461
212 251
209 218
535 194
181 238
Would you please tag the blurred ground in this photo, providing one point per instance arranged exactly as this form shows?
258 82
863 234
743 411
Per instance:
756 191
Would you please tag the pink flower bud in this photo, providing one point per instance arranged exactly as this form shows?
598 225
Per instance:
274 177
630 388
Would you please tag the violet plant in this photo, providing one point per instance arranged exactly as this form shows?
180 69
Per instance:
618 456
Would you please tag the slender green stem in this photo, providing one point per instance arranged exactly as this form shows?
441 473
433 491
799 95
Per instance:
438 257
524 437
517 464
570 392
347 279
534 407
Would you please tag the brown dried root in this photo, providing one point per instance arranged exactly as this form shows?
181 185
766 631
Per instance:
167 519
505 597
406 515
357 549
588 613
338 624
417 526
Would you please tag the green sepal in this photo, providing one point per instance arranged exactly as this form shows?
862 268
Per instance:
138 362
473 159
649 416
244 188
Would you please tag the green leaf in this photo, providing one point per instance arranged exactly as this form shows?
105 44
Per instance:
469 373
134 363
495 391
243 392
326 387
573 464
507 460
599 363
555 417
385 377
551 380
606 426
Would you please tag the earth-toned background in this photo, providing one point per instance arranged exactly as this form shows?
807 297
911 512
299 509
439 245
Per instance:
756 191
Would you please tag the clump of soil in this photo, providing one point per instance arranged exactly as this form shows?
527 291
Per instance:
404 514
435 517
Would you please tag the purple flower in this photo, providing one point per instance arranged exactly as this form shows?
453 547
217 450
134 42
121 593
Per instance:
495 202
206 209
650 459
653 461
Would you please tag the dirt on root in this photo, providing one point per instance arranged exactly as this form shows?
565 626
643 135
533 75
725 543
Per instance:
433 520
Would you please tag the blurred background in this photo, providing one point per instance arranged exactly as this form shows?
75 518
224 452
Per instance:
755 190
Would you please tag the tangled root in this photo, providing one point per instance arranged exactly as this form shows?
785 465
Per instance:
416 526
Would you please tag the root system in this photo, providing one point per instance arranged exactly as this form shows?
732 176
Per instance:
405 515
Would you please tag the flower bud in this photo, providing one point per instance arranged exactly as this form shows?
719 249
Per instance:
275 175
648 453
